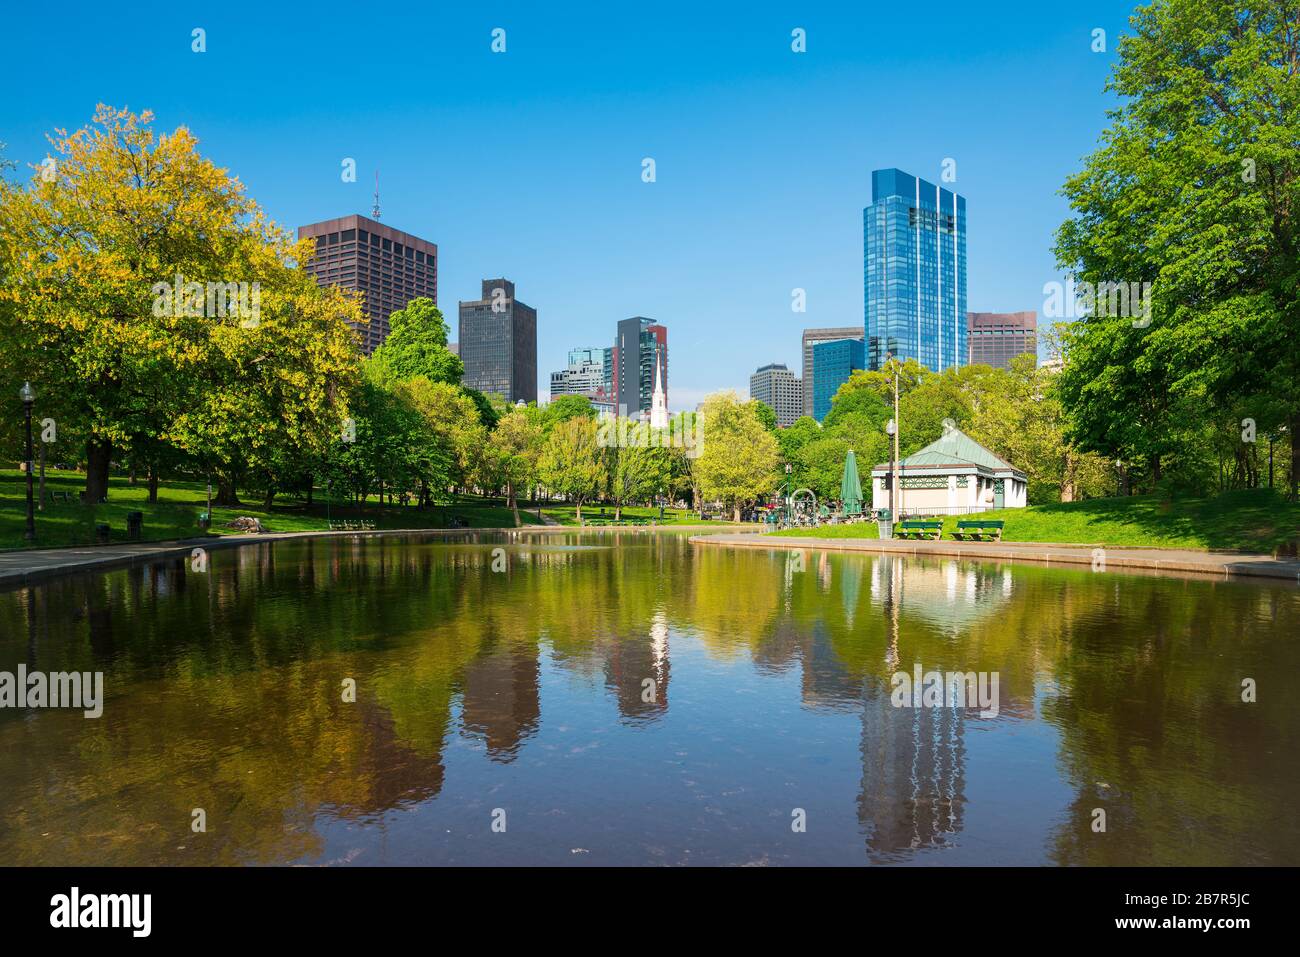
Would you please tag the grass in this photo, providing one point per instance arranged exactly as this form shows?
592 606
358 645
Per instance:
176 513
566 514
1250 520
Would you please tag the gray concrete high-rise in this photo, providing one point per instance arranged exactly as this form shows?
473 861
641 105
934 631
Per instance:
780 390
998 337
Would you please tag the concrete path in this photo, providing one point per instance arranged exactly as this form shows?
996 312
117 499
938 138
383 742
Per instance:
1148 560
30 565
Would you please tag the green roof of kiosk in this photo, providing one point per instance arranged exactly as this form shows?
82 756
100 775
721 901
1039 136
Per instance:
955 447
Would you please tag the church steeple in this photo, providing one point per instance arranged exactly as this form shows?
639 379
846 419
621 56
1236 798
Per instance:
659 402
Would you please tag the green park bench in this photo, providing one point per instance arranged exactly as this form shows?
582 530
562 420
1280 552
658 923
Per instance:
978 531
921 528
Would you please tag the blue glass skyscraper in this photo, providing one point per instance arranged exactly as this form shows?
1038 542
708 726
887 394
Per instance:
833 362
914 272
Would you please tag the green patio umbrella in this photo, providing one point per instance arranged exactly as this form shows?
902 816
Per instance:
850 486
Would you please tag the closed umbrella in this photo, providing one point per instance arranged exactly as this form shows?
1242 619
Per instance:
851 486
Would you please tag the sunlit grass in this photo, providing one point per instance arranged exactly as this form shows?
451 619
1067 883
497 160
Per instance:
1253 520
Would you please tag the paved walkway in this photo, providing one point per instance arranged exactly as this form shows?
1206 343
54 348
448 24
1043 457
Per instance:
30 565
1149 560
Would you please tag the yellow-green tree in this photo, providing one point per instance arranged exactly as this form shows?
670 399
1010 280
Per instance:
739 459
153 297
571 462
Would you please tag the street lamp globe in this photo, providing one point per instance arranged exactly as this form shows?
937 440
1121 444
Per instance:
27 393
891 427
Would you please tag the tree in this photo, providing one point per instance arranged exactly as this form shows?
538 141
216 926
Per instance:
739 458
567 407
416 345
571 462
513 453
453 417
637 469
150 295
1196 190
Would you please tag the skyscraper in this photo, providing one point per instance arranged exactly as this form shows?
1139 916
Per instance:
914 270
776 387
998 337
388 266
810 338
498 343
641 346
833 362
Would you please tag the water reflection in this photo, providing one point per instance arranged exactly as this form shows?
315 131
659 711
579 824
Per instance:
547 686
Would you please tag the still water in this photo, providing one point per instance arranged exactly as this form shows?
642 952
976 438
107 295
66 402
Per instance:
630 698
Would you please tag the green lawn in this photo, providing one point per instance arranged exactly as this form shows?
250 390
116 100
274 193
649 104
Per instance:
1254 520
176 513
565 514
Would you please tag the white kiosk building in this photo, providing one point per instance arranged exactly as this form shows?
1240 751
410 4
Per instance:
953 475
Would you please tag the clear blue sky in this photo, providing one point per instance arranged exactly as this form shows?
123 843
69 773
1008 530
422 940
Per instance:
527 164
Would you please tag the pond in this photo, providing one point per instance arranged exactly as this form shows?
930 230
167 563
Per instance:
631 698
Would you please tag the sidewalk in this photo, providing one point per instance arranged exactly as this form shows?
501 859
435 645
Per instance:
1149 560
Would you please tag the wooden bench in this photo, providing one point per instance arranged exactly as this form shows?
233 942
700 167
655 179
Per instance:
921 528
978 531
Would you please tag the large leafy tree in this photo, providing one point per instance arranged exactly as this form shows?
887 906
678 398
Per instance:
86 245
1194 188
513 451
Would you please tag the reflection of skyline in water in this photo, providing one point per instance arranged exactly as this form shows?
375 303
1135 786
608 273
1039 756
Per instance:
226 686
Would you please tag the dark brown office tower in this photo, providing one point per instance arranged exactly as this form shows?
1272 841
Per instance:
389 267
498 343
995 338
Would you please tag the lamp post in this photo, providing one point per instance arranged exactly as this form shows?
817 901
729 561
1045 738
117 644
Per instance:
891 429
28 395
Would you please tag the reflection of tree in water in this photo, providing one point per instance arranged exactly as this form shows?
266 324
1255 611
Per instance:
913 774
500 700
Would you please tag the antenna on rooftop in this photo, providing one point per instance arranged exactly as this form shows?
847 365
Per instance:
375 211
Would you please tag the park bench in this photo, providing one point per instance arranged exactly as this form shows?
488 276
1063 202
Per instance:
978 531
921 528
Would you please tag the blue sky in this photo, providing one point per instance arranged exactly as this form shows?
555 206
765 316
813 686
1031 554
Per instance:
527 164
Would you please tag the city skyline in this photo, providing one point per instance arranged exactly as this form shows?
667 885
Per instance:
760 181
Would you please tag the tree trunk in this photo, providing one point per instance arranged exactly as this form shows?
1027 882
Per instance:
578 502
311 483
735 512
153 485
1295 454
618 511
99 453
131 475
227 495
514 502
40 502
269 499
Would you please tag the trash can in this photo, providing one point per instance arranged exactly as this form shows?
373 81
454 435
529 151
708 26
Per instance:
205 521
101 533
885 522
134 525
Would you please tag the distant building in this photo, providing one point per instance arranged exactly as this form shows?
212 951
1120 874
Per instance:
453 348
387 266
640 347
777 387
833 362
588 373
810 338
953 475
998 337
498 343
914 271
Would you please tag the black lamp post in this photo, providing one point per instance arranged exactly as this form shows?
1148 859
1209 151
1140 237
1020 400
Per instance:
28 395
